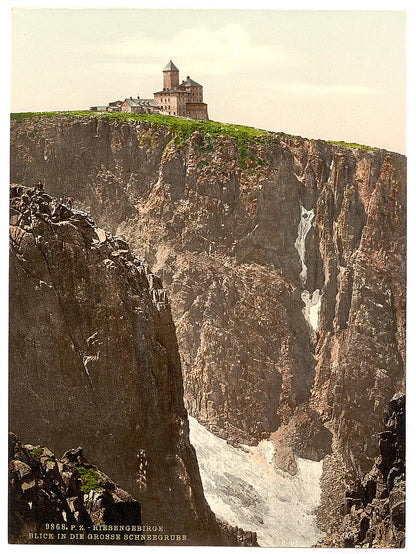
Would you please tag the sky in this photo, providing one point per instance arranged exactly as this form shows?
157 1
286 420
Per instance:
324 74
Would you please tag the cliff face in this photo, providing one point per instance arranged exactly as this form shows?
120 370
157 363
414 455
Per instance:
361 341
283 259
94 361
374 506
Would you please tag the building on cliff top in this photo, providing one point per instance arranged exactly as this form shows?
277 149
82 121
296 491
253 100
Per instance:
182 100
139 105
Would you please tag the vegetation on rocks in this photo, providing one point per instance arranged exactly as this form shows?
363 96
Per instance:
90 480
36 453
350 144
183 128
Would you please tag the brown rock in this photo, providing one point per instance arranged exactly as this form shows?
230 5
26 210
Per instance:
221 231
374 513
37 503
69 308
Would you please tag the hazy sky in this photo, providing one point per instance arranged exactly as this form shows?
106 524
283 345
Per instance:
320 74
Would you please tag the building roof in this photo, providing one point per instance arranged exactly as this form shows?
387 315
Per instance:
190 83
135 102
170 66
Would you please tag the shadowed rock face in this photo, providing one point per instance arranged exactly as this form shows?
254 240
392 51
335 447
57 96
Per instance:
374 506
94 361
69 493
237 247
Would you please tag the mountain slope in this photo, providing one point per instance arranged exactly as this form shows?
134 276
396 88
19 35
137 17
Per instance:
283 258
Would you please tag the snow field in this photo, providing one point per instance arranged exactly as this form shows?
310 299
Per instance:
243 488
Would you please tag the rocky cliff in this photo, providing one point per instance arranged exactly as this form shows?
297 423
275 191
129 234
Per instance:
71 501
374 506
94 362
283 258
66 500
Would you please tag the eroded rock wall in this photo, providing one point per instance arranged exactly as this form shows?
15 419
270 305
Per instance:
283 259
374 506
94 362
361 340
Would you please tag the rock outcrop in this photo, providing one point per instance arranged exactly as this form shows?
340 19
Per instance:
65 500
374 506
94 362
71 501
283 258
303 437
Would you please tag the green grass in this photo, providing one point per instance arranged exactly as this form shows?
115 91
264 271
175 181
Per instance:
183 128
35 453
90 480
350 145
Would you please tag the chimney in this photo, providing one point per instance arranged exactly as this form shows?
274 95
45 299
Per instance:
187 77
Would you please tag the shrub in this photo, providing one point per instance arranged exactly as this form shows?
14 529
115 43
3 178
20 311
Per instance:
35 453
90 479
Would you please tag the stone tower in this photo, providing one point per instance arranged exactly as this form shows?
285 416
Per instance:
183 100
170 77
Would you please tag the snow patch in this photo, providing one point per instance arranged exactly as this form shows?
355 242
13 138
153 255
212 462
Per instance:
312 300
305 223
312 308
243 488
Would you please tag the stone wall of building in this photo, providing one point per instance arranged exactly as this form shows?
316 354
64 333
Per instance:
170 80
197 110
195 94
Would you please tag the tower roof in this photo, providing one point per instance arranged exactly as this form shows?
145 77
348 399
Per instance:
190 83
170 67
